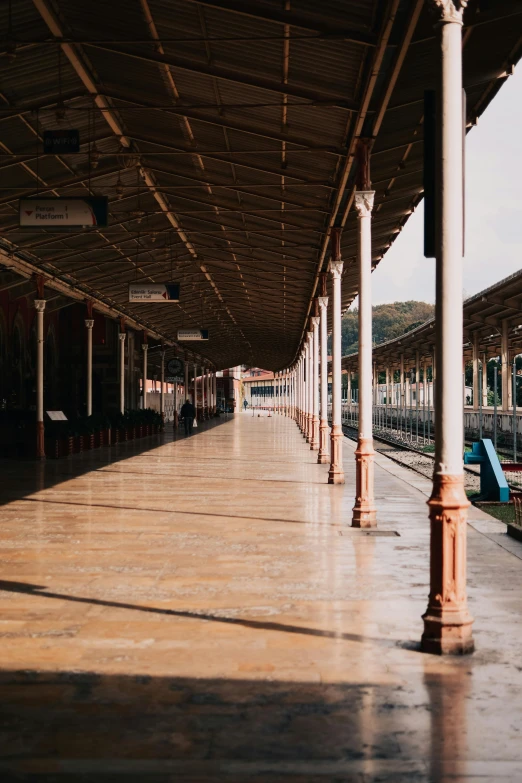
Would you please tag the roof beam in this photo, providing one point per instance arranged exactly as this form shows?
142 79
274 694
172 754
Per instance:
236 124
73 54
314 23
229 74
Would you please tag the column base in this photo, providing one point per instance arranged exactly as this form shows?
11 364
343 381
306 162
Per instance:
336 472
449 634
323 458
447 622
364 513
314 439
40 440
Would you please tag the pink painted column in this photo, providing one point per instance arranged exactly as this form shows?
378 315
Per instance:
447 622
364 513
336 472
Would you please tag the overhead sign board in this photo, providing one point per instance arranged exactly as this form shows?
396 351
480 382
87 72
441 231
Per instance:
192 334
153 292
63 213
62 141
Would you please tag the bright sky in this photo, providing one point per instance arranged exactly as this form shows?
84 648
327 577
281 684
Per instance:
493 211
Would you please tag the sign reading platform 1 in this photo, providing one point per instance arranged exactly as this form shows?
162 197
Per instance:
153 292
192 334
63 213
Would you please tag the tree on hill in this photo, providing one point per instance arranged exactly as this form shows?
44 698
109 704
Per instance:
389 321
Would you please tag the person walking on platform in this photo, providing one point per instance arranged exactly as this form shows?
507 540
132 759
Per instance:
188 414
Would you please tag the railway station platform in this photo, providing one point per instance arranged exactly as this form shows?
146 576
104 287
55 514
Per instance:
200 609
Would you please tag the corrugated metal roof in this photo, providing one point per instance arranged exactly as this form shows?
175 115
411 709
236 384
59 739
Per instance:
249 182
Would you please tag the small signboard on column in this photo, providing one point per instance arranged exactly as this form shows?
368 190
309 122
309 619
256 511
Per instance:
153 292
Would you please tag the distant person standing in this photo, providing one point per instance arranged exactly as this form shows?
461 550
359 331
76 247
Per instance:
245 403
188 414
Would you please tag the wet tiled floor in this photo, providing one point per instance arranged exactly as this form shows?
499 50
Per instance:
200 610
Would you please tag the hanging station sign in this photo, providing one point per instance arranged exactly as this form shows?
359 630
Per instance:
61 142
153 292
63 213
192 334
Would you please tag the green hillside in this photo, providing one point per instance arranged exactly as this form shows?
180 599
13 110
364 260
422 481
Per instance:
389 321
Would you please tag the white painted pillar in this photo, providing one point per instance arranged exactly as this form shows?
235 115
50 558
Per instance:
447 623
145 349
214 387
323 457
195 402
122 337
402 383
475 363
301 390
39 305
364 512
89 323
307 387
162 385
505 367
484 379
186 392
336 471
314 380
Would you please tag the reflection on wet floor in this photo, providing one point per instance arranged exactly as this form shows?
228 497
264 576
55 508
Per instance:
200 610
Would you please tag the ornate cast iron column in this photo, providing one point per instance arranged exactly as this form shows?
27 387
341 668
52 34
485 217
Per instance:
145 349
39 305
336 472
364 512
323 457
447 622
315 320
122 337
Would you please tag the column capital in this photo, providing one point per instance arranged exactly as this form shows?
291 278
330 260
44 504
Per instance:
122 336
323 302
39 305
364 202
89 323
448 10
336 269
145 347
315 321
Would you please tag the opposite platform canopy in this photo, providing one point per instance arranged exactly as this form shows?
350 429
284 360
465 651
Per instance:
223 135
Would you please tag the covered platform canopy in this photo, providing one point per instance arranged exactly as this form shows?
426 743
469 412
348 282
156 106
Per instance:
224 136
487 315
